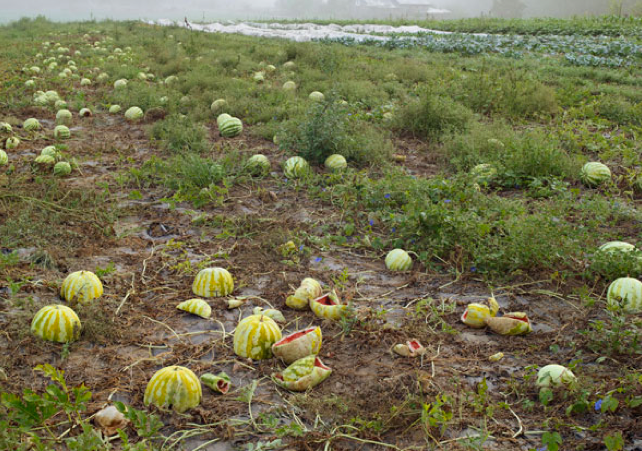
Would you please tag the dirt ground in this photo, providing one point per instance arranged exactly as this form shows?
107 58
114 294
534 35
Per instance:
372 394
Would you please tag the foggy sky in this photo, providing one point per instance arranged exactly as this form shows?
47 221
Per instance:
213 10
68 10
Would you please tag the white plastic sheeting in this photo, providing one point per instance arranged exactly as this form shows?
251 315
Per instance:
303 32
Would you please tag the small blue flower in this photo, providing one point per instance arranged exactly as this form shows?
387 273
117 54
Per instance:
318 259
323 189
371 222
301 247
387 196
543 448
413 241
473 269
598 405
447 201
394 229
349 114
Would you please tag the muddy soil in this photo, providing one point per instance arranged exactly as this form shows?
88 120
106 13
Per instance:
373 395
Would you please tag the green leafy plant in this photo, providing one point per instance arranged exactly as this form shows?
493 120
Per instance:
618 334
552 440
146 425
327 128
31 412
433 115
437 415
614 442
102 272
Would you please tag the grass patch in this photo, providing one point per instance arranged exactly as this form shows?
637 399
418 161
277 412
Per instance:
327 128
432 115
180 134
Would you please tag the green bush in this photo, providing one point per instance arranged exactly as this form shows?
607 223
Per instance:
432 115
507 91
517 156
463 151
137 93
328 128
619 110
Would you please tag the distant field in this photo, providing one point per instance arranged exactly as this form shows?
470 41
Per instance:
468 152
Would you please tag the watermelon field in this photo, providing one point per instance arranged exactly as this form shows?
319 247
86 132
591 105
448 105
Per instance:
387 239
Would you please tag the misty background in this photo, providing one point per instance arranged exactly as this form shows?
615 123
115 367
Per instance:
213 10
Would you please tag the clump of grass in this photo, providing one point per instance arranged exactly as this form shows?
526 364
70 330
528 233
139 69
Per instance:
328 128
137 93
180 134
489 234
432 115
187 171
518 156
462 151
619 110
509 92
190 177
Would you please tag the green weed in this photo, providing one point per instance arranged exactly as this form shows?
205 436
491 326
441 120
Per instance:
432 115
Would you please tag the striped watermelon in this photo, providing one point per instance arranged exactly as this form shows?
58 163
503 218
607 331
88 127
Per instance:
298 344
328 307
484 173
31 124
254 337
134 114
218 105
555 375
231 127
309 289
197 307
595 173
81 286
336 162
316 96
56 323
398 260
62 132
295 167
212 282
176 387
258 164
627 293
617 246
303 374
12 143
